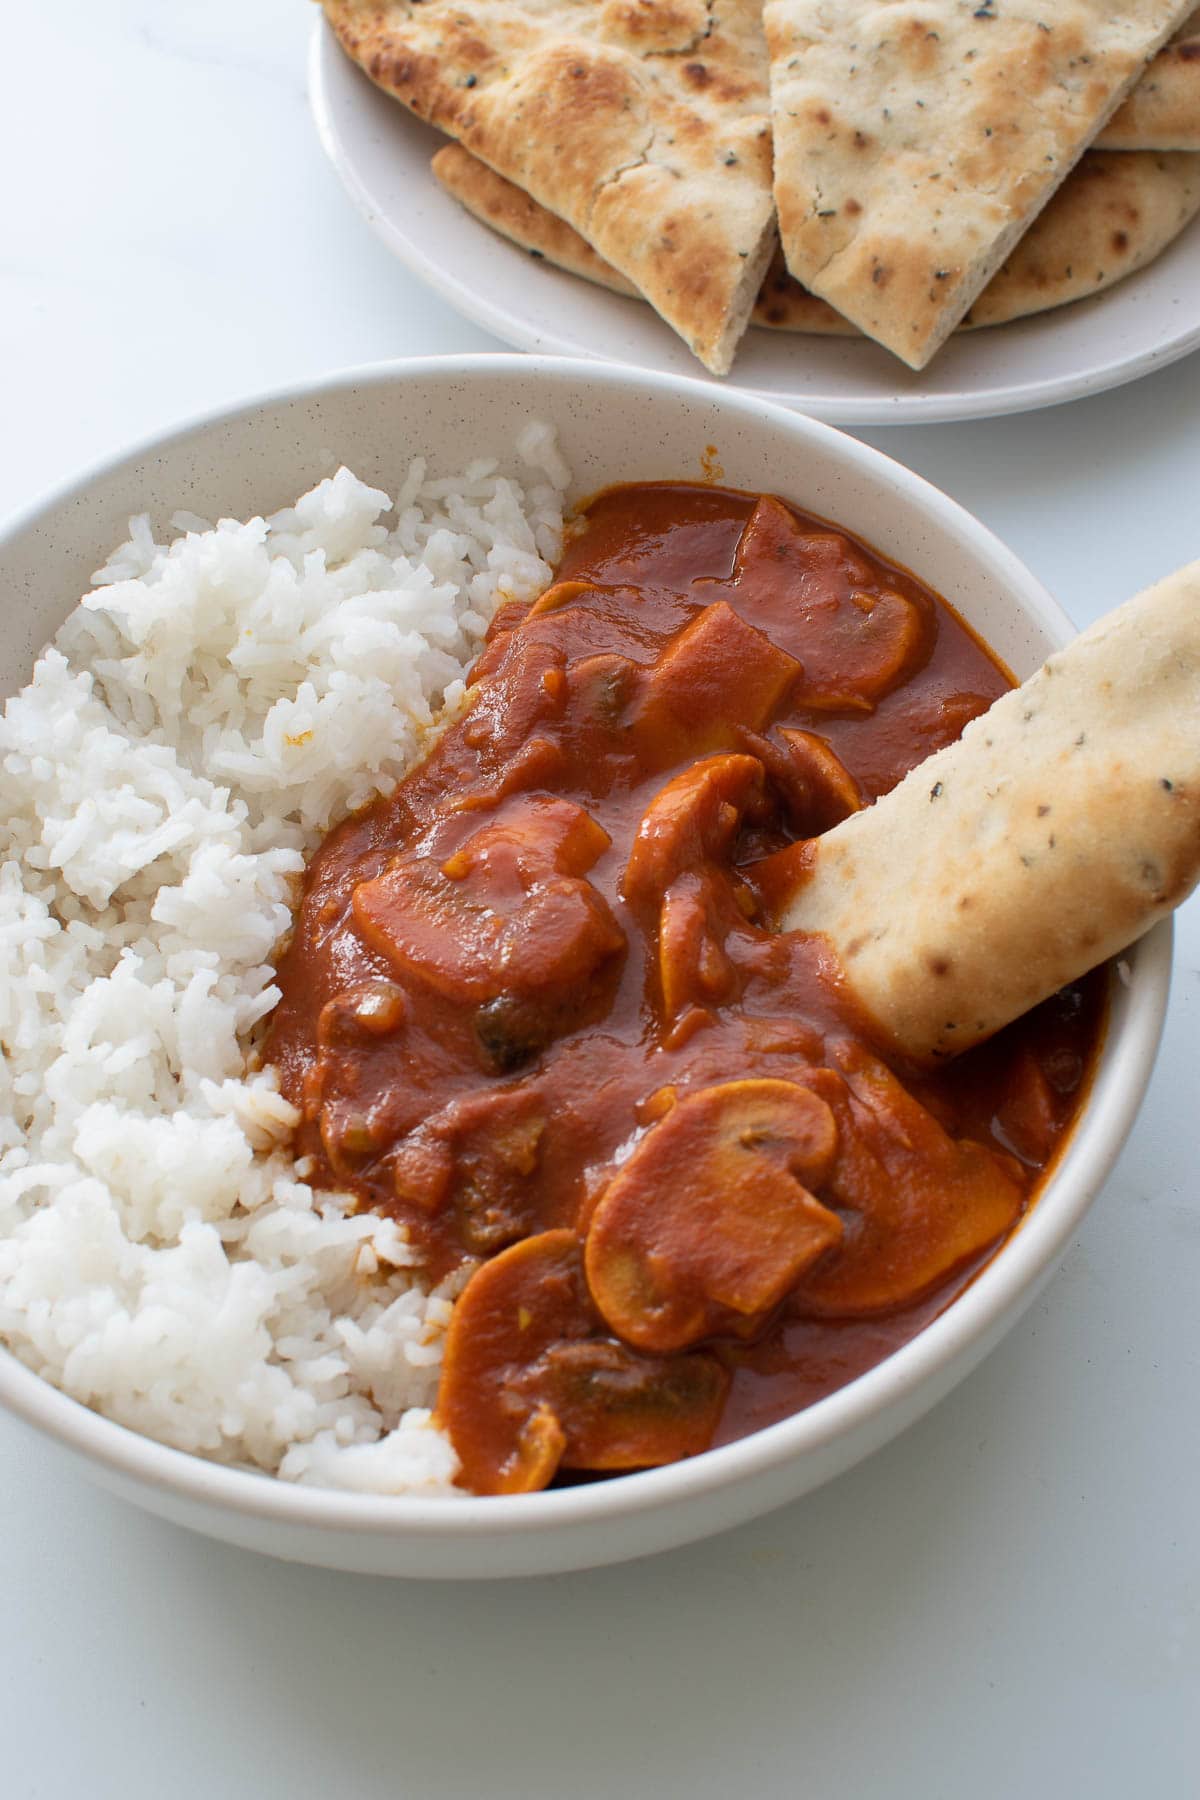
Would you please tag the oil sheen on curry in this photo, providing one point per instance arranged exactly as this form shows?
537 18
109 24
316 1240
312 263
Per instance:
534 1006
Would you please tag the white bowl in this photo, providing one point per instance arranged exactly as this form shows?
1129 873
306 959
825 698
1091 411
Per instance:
614 424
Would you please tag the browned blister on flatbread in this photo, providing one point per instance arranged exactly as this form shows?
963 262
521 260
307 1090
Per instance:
782 303
641 123
916 140
1115 212
1059 827
1163 111
1112 215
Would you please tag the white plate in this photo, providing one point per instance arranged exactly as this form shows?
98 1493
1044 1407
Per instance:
382 155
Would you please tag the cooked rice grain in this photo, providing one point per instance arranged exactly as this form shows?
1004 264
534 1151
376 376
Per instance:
201 720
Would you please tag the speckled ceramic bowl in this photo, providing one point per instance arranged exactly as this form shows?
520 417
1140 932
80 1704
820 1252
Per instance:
613 424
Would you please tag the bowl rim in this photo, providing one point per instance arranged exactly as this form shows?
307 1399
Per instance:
992 1299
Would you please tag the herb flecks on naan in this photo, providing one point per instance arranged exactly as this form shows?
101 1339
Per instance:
1061 825
644 126
915 143
1163 111
507 209
1114 213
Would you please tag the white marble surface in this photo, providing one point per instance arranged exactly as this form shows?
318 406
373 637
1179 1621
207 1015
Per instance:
1003 1602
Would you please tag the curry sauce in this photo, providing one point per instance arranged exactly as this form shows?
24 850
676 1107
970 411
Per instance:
535 1007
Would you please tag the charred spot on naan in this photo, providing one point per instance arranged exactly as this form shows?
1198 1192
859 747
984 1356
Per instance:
660 158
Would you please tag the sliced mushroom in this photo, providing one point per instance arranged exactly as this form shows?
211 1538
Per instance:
514 1308
856 645
710 1222
690 823
824 790
508 912
815 786
675 882
918 1204
620 1410
536 1455
693 968
1030 1112
527 1384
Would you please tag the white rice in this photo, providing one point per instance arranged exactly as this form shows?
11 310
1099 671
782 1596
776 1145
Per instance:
200 721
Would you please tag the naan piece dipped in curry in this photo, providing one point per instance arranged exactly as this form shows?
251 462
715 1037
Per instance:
1054 833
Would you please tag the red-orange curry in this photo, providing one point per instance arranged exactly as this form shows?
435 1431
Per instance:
535 1008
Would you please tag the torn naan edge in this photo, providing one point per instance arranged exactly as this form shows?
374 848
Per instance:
642 123
1112 215
1059 827
1163 111
917 140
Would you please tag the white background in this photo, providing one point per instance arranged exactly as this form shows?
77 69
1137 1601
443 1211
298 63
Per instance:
1005 1602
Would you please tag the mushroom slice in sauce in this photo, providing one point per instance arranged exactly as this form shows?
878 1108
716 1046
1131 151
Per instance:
675 882
856 641
822 790
711 1220
917 1203
527 1384
625 1411
462 923
691 822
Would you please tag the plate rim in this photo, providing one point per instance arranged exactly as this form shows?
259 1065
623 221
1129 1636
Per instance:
326 54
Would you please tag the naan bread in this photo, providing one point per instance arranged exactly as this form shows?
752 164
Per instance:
1113 214
642 123
916 140
1163 111
513 213
1059 827
510 211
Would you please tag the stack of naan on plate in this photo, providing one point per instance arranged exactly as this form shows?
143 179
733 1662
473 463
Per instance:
895 167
